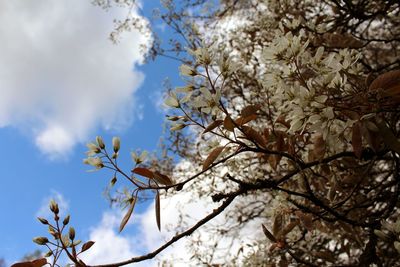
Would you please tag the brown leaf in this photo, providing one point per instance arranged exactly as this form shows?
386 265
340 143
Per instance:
372 137
157 208
387 81
356 139
268 234
228 123
274 161
87 245
243 120
254 136
212 157
277 226
306 220
249 110
23 264
341 40
127 215
35 263
162 178
319 147
39 262
144 172
288 228
388 137
212 126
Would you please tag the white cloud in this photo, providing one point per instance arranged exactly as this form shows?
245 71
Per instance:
60 75
63 205
111 246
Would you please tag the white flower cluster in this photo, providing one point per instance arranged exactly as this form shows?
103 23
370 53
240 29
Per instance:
302 80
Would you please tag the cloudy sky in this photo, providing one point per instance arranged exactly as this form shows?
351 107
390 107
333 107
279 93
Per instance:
62 82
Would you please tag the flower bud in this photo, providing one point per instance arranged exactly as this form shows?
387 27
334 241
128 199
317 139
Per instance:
41 240
71 233
66 220
116 144
177 127
43 220
187 70
100 142
54 207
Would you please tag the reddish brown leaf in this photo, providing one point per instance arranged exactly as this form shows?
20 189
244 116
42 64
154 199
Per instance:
266 134
35 263
268 234
306 220
87 246
274 161
356 139
254 136
243 120
388 137
319 147
249 110
143 172
157 209
212 156
212 126
39 262
373 138
23 264
288 228
278 222
228 123
162 178
127 215
387 81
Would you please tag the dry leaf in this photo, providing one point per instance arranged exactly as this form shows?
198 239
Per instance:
127 215
87 245
356 139
144 172
157 208
228 123
212 157
212 126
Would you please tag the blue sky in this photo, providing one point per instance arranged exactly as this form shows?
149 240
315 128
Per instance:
62 83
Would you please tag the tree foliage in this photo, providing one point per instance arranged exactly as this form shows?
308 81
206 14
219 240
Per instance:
288 117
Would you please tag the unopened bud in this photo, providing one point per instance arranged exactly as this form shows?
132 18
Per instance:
71 233
48 254
66 220
116 144
54 207
177 127
43 220
41 240
100 142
